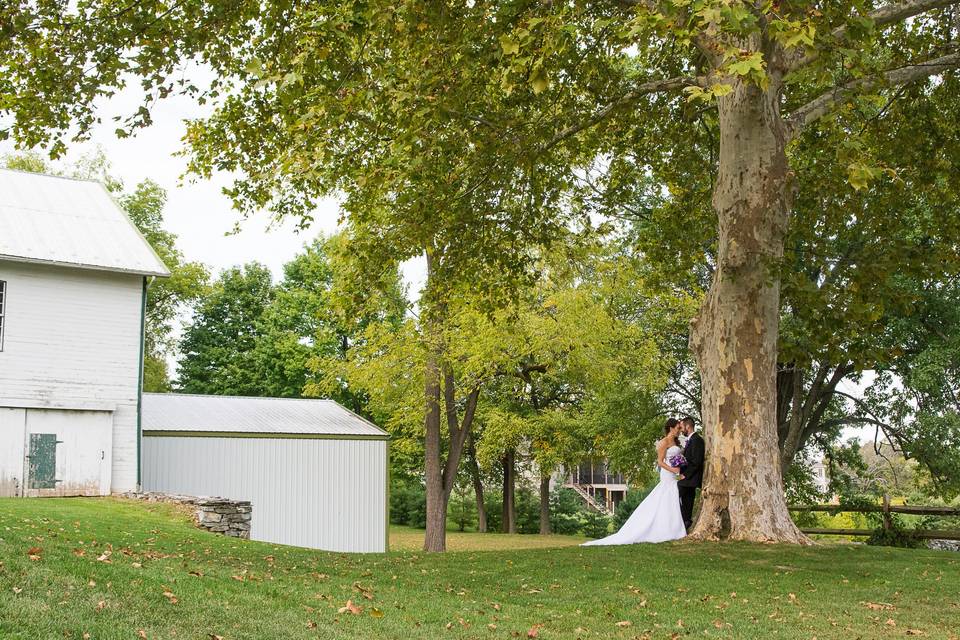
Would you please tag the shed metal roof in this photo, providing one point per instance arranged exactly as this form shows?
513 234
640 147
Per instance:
53 220
180 413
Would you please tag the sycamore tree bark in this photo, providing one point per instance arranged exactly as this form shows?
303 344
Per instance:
734 336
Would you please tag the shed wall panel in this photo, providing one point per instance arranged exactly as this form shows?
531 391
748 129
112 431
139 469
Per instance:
318 493
72 340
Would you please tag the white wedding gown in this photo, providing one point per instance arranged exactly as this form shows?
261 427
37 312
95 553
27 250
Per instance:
657 518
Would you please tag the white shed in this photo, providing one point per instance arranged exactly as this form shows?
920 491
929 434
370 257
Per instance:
316 473
74 273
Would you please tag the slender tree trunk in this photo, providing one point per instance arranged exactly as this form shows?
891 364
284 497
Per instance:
544 505
509 482
734 336
435 538
477 486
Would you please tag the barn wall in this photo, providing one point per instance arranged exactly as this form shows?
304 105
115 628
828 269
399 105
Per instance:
72 340
319 493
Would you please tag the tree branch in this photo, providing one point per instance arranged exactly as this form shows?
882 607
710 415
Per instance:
823 104
653 86
897 12
883 16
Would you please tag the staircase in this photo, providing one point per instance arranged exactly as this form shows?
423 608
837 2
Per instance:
593 504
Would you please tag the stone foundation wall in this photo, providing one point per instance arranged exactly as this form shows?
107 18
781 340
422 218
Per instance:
220 515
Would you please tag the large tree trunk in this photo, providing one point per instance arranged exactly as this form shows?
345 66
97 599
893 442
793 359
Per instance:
509 483
734 336
477 485
545 505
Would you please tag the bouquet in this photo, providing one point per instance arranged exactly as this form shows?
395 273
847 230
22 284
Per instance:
677 461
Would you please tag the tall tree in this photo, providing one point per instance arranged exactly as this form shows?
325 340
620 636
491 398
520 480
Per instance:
491 103
218 344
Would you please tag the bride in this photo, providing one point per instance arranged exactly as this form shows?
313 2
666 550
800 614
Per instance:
657 518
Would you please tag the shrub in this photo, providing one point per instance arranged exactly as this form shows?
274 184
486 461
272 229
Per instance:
595 524
566 512
408 503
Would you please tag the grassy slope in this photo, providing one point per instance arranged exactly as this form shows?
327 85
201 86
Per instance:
254 590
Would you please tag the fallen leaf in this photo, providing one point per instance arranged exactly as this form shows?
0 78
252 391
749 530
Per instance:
17 589
101 605
34 553
915 632
79 553
142 634
349 608
890 622
172 599
105 556
533 632
135 565
624 623
213 636
492 627
376 613
198 574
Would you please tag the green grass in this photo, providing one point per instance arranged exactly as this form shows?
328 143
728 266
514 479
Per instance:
410 539
173 581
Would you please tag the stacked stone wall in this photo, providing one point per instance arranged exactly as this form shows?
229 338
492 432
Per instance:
220 515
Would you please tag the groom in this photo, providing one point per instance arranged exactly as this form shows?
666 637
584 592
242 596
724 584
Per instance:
693 451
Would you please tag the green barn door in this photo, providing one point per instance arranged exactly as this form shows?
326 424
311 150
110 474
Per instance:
43 460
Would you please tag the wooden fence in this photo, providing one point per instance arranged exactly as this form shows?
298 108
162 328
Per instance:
886 509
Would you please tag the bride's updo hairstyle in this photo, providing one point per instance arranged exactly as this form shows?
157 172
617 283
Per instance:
669 426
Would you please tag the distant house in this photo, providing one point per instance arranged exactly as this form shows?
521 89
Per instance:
598 486
315 472
821 479
73 278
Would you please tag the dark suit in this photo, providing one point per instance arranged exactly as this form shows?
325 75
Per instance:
694 452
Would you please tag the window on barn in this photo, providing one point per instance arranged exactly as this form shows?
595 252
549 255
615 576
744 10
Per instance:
3 307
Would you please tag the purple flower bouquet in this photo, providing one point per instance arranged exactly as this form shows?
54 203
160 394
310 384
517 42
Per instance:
677 461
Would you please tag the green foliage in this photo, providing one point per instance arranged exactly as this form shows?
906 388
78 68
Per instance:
408 502
218 344
595 524
528 510
566 509
897 535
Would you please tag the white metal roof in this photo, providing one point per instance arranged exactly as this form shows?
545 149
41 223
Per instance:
53 220
181 412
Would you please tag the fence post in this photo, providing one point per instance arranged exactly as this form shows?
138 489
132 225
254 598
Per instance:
887 522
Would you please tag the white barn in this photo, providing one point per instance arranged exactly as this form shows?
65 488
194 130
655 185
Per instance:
316 473
73 279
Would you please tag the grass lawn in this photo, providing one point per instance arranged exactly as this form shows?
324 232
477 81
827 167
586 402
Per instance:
116 569
410 539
